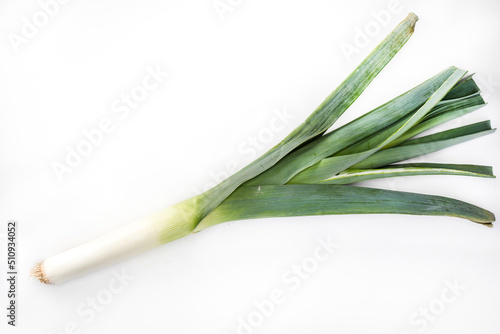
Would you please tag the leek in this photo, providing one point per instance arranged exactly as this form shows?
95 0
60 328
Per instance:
315 161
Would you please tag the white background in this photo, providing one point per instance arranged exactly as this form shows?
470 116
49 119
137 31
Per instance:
226 78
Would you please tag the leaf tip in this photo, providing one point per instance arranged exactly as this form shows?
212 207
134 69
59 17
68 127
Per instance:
412 18
488 219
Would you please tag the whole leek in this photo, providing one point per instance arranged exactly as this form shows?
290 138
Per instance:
307 172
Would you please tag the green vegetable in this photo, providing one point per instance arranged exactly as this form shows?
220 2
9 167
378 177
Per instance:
304 173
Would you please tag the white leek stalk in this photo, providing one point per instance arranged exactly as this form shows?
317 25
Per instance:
151 231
